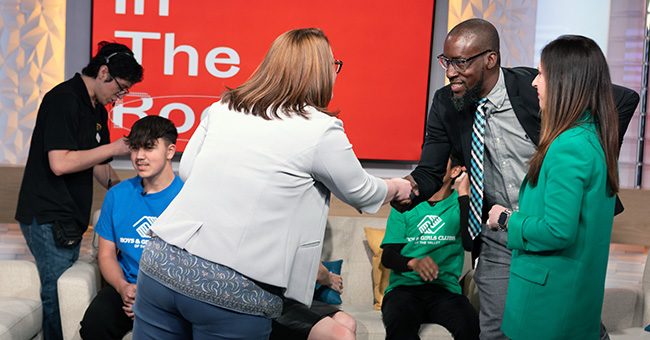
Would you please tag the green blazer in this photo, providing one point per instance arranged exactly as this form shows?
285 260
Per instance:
560 241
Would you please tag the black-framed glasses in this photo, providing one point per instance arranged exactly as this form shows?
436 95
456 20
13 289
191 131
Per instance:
123 90
339 65
460 64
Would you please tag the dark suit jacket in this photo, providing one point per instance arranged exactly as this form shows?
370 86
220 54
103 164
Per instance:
450 131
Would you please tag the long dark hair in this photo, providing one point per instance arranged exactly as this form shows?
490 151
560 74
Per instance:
577 80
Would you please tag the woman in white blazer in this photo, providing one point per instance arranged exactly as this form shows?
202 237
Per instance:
248 225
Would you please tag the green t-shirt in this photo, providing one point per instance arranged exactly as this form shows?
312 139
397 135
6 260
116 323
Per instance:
432 231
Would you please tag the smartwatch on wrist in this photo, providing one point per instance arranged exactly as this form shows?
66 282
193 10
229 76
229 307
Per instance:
502 222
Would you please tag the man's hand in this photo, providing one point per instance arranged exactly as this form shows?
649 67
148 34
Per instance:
426 267
493 216
127 292
403 205
120 147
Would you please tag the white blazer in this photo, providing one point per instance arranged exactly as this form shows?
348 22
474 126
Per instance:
256 194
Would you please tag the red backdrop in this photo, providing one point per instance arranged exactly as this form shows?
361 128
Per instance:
381 91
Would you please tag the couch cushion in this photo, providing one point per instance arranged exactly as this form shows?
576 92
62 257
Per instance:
629 334
345 239
380 275
19 318
327 294
370 326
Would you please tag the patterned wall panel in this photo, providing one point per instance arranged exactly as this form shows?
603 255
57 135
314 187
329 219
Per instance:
625 58
514 19
32 46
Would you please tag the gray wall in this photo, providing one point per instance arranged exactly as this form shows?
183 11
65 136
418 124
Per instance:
77 36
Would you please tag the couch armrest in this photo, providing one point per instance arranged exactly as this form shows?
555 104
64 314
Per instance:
20 279
76 288
469 288
622 308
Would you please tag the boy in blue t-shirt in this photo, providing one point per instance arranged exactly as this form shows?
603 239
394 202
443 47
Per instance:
129 209
423 247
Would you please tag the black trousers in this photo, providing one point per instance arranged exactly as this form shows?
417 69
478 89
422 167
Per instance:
297 319
405 308
104 318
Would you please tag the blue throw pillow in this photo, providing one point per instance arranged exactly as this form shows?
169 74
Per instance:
326 294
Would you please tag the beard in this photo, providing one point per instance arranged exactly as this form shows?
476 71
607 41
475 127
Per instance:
470 98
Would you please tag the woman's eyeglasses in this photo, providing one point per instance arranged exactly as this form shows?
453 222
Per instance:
338 64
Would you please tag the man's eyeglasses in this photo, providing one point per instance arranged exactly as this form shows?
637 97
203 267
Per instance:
339 65
123 90
460 64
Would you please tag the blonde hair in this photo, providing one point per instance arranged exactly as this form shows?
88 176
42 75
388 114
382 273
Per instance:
296 72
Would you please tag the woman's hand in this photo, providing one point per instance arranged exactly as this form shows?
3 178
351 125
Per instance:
399 189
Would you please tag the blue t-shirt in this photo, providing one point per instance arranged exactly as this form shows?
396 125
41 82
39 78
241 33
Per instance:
126 217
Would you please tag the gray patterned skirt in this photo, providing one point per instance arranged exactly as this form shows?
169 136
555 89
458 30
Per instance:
206 281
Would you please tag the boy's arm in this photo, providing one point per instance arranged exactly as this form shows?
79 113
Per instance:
463 202
105 175
112 272
462 182
392 258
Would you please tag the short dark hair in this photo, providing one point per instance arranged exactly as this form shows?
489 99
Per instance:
120 62
146 131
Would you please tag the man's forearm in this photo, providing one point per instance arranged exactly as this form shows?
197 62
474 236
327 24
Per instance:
64 162
105 175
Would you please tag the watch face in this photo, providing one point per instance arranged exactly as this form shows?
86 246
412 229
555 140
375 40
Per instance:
502 218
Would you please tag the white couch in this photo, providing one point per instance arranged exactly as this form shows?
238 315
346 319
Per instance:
344 239
76 288
21 312
626 311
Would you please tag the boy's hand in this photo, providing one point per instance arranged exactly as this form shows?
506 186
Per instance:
463 184
426 267
127 292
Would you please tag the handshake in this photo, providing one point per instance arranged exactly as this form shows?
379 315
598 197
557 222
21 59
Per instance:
402 192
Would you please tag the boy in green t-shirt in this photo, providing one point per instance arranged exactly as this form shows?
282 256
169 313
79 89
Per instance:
423 248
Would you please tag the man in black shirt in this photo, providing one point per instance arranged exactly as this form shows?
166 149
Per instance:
70 144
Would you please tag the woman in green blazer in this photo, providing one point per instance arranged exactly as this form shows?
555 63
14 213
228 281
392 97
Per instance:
560 235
